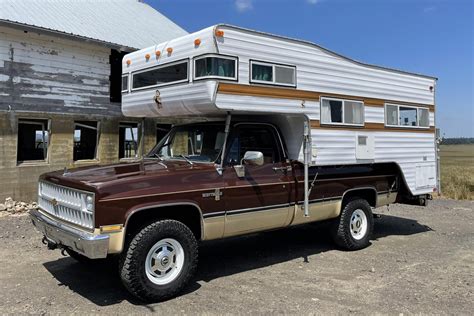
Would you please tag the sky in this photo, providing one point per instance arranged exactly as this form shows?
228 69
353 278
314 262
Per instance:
432 37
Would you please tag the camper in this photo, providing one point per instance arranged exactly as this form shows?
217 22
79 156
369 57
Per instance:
273 132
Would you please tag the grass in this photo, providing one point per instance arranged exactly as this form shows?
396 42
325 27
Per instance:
457 171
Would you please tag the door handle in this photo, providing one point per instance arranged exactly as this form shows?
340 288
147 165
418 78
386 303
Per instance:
282 169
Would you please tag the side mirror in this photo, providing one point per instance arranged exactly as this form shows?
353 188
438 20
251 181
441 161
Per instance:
253 158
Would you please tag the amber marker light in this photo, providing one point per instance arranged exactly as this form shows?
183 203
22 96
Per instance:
157 53
219 33
129 62
197 42
147 56
169 50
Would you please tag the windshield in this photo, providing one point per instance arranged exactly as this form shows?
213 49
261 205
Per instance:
197 142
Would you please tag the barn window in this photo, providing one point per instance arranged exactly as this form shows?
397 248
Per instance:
267 73
342 112
129 140
406 116
33 140
85 140
115 78
218 66
158 76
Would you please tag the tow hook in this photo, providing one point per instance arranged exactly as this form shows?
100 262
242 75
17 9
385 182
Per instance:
51 245
63 252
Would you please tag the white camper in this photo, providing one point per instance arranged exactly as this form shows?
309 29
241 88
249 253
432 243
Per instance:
357 113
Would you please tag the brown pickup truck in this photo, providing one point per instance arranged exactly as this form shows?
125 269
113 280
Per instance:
202 182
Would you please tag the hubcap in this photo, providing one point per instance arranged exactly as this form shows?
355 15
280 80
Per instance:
164 261
358 224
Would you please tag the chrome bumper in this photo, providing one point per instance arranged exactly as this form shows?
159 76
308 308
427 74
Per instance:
87 244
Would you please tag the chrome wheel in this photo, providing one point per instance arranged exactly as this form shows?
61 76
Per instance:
358 224
164 261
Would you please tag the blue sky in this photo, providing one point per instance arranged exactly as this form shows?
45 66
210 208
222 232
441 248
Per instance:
433 37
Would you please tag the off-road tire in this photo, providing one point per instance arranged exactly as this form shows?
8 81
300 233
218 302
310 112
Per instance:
132 262
341 230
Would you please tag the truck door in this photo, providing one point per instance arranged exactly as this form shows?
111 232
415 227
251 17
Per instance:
261 199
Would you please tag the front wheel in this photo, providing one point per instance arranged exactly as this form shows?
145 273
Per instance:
159 261
353 229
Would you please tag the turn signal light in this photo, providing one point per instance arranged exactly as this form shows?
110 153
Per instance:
219 33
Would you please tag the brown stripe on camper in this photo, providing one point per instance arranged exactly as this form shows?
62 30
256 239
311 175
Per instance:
378 127
291 93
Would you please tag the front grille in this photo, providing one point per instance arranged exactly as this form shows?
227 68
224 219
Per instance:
66 203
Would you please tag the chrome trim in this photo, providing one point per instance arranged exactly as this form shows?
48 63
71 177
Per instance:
88 244
362 188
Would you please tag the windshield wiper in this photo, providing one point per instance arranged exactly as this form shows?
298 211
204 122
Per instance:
186 158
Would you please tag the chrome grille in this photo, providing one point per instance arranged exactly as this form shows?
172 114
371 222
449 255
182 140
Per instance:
66 203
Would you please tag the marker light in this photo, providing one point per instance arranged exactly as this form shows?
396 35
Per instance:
219 33
147 56
157 53
129 62
169 50
197 42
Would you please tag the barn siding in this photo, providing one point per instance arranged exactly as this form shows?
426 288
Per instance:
42 73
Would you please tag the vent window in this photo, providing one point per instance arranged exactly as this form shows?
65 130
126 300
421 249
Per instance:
267 73
162 75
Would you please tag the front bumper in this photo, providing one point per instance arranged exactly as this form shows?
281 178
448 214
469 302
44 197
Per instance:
87 244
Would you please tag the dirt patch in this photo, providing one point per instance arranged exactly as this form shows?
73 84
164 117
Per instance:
421 261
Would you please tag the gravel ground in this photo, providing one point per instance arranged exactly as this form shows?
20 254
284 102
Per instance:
421 261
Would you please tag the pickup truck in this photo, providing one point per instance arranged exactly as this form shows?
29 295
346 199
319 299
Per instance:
197 184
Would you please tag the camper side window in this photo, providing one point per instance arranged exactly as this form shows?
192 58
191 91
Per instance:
406 116
342 112
215 66
162 75
267 73
124 83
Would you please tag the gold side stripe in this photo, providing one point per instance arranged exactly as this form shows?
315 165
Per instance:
378 127
296 94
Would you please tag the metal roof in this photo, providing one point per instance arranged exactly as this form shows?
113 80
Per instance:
123 23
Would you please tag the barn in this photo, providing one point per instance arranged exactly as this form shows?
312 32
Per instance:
60 86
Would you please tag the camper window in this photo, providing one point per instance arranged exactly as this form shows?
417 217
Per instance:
261 72
162 75
125 83
215 66
406 116
342 112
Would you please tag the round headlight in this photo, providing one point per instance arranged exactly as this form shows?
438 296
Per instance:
89 199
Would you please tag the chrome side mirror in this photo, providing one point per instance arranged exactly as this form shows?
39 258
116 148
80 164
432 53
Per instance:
252 158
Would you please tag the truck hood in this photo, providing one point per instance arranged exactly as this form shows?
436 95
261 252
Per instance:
97 176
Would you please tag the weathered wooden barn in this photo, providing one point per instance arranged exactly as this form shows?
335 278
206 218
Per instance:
60 86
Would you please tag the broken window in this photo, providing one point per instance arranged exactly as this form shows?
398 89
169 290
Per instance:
115 78
161 131
129 139
33 140
85 140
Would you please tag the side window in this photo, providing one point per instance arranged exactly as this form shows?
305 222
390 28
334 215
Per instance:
338 112
255 138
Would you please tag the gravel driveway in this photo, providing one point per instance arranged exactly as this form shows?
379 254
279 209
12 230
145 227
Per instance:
421 261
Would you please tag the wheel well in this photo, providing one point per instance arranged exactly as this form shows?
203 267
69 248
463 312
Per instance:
368 194
186 214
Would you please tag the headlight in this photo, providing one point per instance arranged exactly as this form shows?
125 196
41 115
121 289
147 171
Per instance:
90 203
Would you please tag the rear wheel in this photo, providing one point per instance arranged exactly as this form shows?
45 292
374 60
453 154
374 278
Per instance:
159 261
353 229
